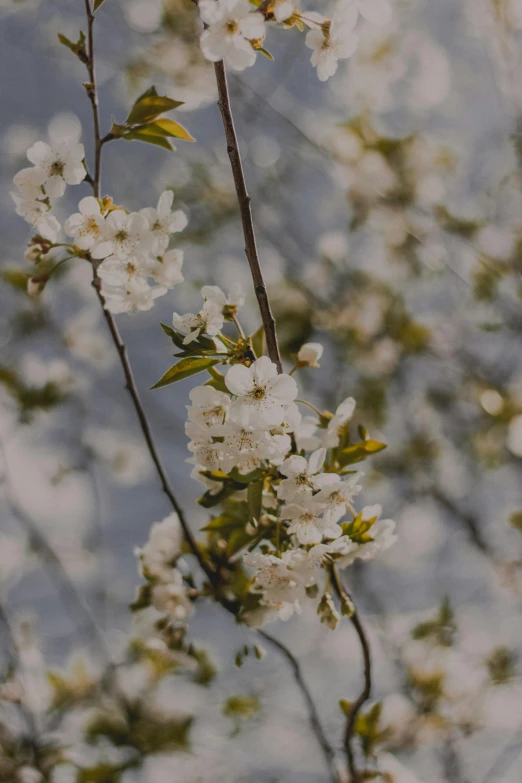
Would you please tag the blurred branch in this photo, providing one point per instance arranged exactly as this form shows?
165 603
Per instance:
356 706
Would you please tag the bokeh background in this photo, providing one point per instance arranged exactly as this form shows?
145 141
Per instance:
389 213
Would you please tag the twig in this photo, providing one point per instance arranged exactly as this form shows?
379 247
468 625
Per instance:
315 721
246 215
367 687
142 417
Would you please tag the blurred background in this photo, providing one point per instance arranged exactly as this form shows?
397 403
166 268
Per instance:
388 205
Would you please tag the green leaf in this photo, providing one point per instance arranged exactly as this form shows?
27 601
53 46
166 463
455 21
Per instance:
223 522
245 478
16 278
150 105
171 128
159 141
97 4
209 500
360 451
264 52
217 381
184 369
77 48
255 500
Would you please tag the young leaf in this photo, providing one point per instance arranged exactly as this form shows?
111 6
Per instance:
184 369
360 451
97 4
149 106
217 381
171 128
145 135
77 48
258 342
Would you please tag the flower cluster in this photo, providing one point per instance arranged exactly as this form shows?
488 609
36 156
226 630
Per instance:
167 592
130 250
37 186
235 30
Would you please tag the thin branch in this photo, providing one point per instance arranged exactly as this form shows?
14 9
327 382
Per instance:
246 215
142 417
367 687
315 721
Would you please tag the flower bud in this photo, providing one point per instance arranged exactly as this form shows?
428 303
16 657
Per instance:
309 355
33 252
35 285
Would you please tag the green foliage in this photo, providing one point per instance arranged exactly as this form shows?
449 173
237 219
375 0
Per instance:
145 123
184 369
240 709
501 665
515 520
16 278
78 48
441 630
142 729
97 4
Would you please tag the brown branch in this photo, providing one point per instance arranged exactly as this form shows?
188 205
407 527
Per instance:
355 708
246 216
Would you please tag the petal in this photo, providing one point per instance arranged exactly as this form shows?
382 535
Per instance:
102 250
89 206
252 25
73 223
239 379
293 466
38 152
165 203
117 219
283 388
263 370
74 173
55 187
316 461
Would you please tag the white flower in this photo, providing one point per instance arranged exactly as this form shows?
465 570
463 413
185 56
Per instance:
37 214
309 354
283 10
303 476
305 437
209 406
261 392
338 495
231 24
381 534
280 587
208 321
306 524
342 415
166 269
58 166
247 446
172 598
87 225
306 563
136 295
206 452
163 222
116 271
331 42
227 304
124 235
162 548
378 12
29 182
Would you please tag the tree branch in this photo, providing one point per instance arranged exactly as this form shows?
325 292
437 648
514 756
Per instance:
367 687
246 216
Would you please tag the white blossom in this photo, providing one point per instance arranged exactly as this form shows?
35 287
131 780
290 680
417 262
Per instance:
163 221
283 10
303 476
87 225
305 437
332 41
209 406
227 304
208 321
162 548
136 295
37 214
230 26
306 523
166 269
338 495
261 392
58 166
381 536
342 416
124 235
309 354
172 598
281 588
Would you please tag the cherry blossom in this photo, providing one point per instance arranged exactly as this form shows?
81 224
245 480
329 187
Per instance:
162 548
230 26
166 269
261 392
124 235
304 476
87 225
58 166
163 221
306 522
208 321
338 495
342 416
136 295
309 355
332 41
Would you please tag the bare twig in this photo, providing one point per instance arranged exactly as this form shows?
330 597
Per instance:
246 216
367 687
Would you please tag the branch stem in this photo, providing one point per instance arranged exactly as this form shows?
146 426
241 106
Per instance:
245 209
355 776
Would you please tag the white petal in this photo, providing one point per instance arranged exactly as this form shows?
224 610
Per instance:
316 461
263 370
239 379
38 152
89 206
283 388
377 12
55 187
165 203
